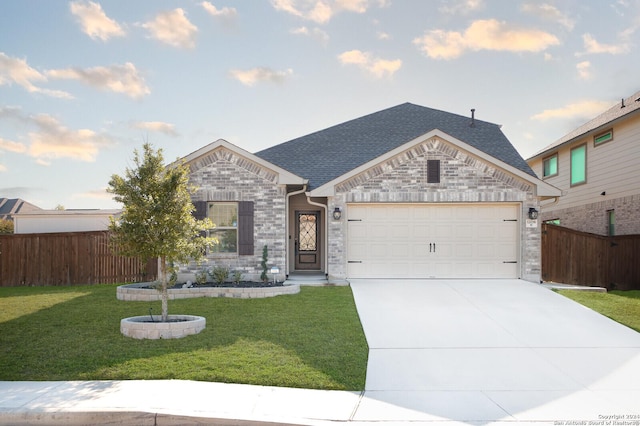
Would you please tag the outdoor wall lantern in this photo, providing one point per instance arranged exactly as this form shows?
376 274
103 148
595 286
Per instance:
337 213
533 213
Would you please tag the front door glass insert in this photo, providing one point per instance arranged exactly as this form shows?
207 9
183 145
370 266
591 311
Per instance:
308 232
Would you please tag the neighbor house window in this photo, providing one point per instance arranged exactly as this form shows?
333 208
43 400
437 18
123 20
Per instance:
611 223
550 166
601 138
225 218
579 165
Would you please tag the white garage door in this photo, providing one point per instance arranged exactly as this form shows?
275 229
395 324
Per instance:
432 241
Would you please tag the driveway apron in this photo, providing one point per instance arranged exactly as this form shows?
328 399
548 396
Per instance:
492 350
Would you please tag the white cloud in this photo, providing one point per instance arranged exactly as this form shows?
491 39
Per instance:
592 46
13 70
95 23
173 28
123 79
255 75
583 110
156 126
320 11
461 6
484 35
315 33
225 12
3 168
375 66
7 145
50 140
584 70
96 194
383 36
550 13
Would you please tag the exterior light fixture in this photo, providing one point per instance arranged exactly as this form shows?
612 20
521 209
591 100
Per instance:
533 213
275 271
337 213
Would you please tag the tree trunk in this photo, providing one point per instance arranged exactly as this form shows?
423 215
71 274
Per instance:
163 289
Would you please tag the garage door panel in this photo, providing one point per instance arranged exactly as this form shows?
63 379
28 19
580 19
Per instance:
440 241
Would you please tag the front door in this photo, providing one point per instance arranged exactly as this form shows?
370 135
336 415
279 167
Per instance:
307 241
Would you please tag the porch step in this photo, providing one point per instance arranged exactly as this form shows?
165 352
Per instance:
307 278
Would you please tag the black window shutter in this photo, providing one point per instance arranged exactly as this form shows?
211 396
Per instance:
201 210
433 171
245 228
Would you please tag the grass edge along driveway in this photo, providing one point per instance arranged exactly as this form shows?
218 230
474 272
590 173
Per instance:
310 340
620 306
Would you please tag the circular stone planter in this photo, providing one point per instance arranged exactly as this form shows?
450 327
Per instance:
178 326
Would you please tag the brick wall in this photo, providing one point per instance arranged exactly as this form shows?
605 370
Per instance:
464 178
224 176
593 217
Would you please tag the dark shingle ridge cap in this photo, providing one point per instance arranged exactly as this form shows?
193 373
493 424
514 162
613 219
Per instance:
327 154
614 113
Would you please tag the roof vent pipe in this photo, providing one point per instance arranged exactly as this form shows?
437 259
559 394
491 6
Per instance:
623 105
473 117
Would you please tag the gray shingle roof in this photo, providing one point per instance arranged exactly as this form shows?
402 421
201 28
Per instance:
616 112
11 206
327 154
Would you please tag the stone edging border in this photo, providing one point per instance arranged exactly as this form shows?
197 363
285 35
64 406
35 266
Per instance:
134 292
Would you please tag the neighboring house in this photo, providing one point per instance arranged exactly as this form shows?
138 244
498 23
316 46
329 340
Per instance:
12 206
46 221
596 167
407 192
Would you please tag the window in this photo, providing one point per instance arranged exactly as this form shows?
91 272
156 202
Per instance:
225 218
550 166
611 223
579 165
222 214
601 138
433 171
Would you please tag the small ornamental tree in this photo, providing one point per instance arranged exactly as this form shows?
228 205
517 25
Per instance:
157 220
6 226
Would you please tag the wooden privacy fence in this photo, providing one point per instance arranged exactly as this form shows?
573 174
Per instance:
70 258
573 257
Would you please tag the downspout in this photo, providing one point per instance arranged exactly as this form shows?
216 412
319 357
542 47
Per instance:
326 233
286 219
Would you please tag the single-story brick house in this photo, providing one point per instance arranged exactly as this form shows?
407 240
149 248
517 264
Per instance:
407 192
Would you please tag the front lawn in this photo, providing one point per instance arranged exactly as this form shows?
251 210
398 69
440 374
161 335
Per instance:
621 306
310 340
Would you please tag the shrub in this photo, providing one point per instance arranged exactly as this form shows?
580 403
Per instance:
219 274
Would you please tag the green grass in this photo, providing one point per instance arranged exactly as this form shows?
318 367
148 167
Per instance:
620 306
310 340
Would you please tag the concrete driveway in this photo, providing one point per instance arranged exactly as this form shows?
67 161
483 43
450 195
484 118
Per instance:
492 350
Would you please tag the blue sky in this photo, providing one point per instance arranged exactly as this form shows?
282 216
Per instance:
84 83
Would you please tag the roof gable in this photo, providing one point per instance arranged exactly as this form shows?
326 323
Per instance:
11 206
327 154
440 142
207 154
